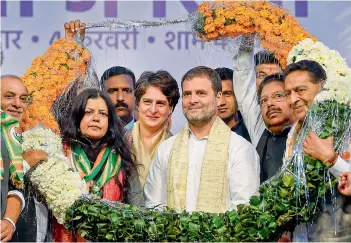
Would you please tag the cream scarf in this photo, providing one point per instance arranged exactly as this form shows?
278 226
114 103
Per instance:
212 195
144 156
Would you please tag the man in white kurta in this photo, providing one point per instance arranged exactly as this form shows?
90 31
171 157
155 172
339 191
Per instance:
243 172
242 161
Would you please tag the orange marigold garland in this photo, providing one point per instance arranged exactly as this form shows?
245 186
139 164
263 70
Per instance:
278 30
49 75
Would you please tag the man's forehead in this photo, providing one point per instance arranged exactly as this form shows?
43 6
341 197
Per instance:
13 85
273 87
269 68
227 85
198 81
297 79
119 81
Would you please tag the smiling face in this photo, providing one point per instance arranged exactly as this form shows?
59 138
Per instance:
199 101
94 123
300 92
14 97
154 109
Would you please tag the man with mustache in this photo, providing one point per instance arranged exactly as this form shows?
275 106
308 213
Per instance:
206 167
277 118
228 108
117 81
268 122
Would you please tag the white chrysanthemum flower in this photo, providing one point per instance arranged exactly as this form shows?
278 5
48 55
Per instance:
59 185
43 139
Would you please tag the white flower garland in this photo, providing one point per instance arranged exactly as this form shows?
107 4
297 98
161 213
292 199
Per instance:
44 139
55 178
338 86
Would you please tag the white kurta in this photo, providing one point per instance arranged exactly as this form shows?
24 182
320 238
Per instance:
243 172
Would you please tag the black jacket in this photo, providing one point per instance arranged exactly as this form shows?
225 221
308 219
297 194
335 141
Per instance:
271 149
241 129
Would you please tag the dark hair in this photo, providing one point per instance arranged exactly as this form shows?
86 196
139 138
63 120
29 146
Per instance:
161 79
115 71
210 73
113 137
225 73
265 57
267 80
314 69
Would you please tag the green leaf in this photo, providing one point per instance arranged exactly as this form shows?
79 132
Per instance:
288 180
255 200
139 225
272 226
283 192
77 217
222 230
109 236
263 233
194 227
238 228
217 222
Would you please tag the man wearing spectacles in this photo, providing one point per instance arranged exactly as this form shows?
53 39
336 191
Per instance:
257 78
278 118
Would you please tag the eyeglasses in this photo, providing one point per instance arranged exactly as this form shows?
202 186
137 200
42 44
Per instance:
276 97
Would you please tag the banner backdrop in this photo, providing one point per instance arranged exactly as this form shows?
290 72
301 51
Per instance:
29 27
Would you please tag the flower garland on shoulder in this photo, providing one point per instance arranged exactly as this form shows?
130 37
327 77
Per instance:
278 30
292 196
49 75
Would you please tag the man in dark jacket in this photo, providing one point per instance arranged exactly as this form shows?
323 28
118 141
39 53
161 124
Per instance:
228 108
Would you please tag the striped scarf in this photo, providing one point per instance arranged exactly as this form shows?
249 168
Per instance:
107 161
12 141
212 194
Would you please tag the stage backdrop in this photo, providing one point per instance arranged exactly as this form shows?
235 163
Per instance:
29 27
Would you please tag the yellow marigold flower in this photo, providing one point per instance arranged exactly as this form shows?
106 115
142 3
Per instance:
264 13
209 28
219 12
208 20
229 14
203 7
219 22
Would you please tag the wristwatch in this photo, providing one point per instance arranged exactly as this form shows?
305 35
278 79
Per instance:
331 162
